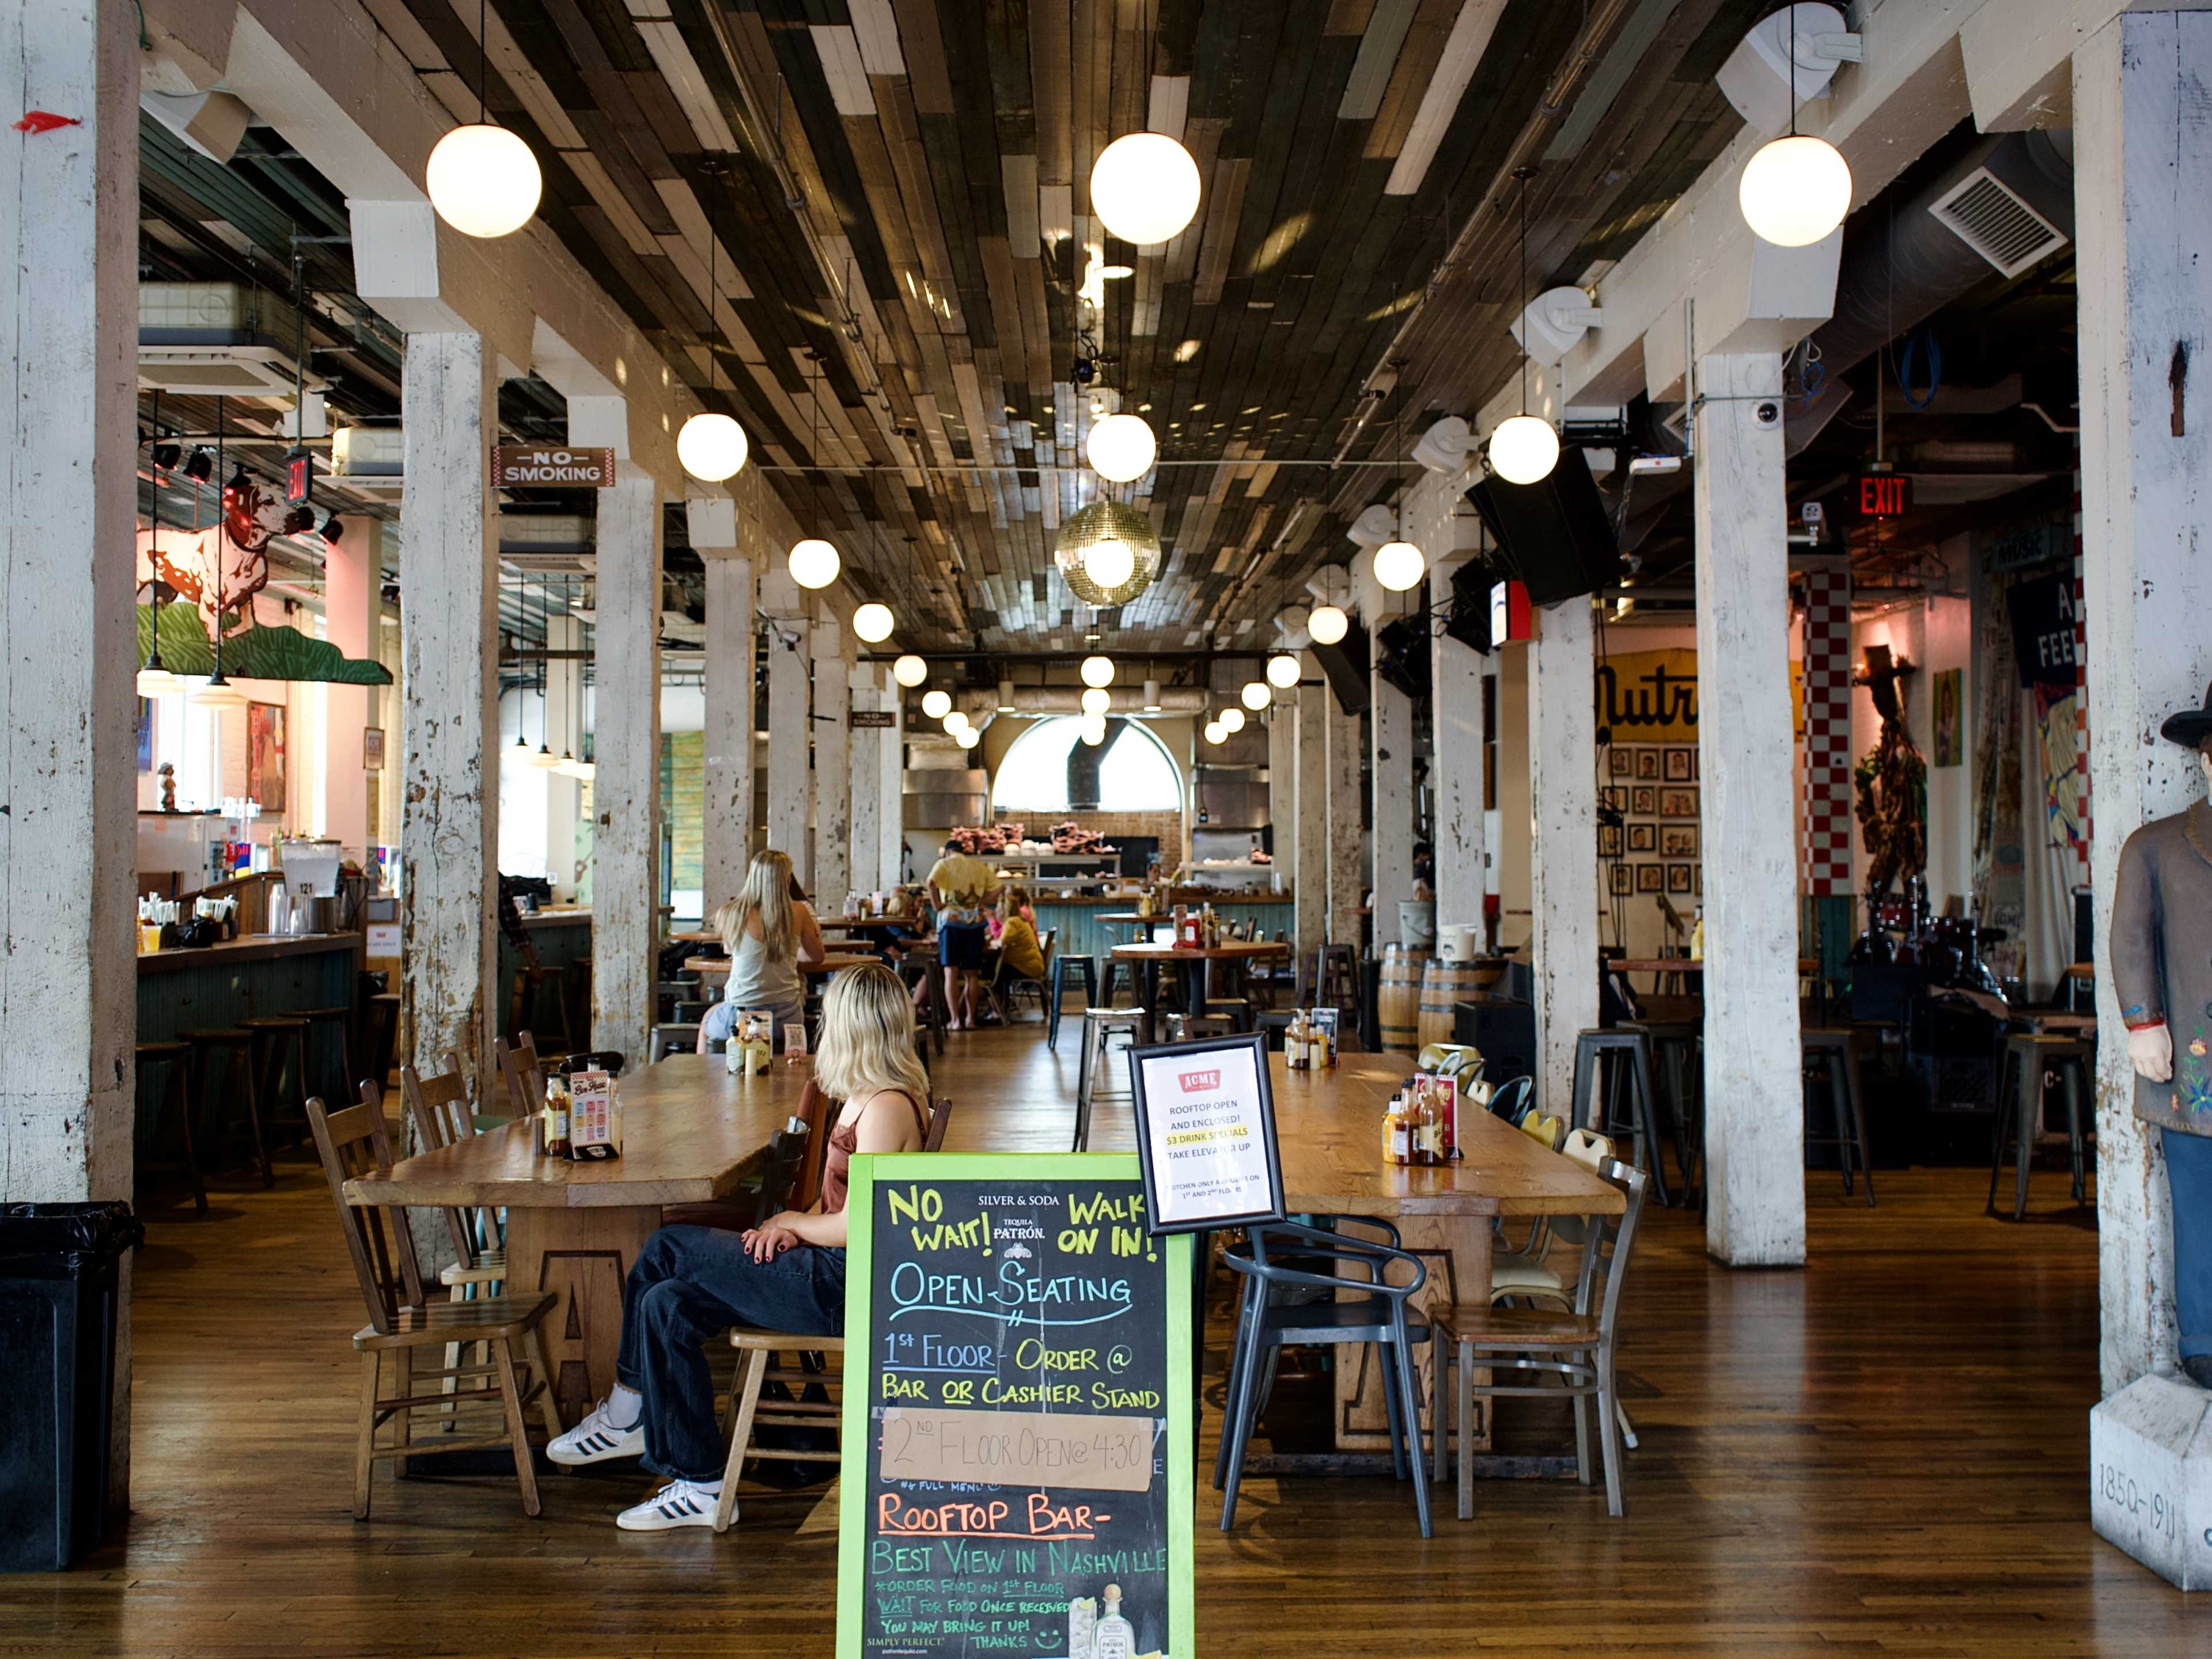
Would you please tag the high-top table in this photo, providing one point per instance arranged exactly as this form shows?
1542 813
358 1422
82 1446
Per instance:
1195 963
690 1133
1328 1126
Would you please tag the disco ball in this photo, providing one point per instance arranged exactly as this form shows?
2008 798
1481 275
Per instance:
1103 521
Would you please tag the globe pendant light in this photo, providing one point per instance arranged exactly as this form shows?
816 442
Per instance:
814 562
1093 729
1256 695
1215 733
955 722
1097 700
968 736
1283 672
1121 448
1524 448
1327 625
935 705
873 622
1231 719
1106 532
1110 562
1399 566
482 178
1797 188
1098 671
712 446
909 671
1144 188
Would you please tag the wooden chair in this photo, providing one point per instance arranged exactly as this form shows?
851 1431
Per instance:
439 1108
672 1037
351 1143
1576 1346
748 1413
519 1070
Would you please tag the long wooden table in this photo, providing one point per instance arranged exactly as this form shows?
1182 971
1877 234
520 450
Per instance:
690 1133
1329 1126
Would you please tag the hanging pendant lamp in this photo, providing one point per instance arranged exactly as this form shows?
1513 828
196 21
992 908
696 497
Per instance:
482 178
1524 449
710 445
814 562
1797 188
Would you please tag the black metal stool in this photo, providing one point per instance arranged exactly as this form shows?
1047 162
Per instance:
2028 1060
527 999
1237 1011
174 1101
235 1047
1675 1063
1830 1054
338 1023
384 1010
1332 980
1629 1083
1065 967
278 1038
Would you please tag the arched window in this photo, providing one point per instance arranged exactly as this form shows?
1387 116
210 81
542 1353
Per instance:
1050 769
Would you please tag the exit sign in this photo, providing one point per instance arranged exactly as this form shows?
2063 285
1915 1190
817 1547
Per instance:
1884 495
299 476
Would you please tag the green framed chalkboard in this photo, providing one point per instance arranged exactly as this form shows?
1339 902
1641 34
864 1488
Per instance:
1017 1476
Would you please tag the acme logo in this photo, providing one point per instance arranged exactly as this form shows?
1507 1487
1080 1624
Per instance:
1199 1082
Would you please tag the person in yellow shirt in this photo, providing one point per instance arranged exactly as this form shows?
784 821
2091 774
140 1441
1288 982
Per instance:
1020 956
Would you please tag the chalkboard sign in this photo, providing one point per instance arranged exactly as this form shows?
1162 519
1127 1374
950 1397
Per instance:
1018 1431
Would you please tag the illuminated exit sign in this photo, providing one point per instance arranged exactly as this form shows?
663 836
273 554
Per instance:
1884 495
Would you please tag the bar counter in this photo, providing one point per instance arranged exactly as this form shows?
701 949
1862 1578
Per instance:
258 973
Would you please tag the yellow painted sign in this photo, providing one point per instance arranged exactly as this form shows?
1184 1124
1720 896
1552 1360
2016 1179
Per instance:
1651 696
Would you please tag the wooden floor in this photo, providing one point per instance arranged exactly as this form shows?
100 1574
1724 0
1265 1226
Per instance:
1885 1452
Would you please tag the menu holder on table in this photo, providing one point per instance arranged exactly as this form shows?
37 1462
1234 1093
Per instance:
1205 1134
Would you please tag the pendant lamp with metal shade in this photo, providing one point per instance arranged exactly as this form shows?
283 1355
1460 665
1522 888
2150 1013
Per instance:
710 445
1797 188
1525 448
482 178
218 692
155 680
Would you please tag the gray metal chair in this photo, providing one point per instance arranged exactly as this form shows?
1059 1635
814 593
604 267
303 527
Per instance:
1284 1257
1092 1080
1576 1346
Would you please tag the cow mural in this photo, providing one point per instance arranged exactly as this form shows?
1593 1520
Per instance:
221 568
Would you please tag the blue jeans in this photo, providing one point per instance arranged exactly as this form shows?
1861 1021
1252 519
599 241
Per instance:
2189 1181
689 1286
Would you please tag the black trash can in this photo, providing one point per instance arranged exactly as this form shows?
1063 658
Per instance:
58 1318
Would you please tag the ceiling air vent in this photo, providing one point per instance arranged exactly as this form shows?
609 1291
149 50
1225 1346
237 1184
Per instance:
1996 223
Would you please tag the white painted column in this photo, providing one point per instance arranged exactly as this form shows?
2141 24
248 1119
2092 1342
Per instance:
891 759
564 684
2141 152
449 629
1456 782
1754 1100
1282 718
69 226
729 767
349 593
1347 855
626 790
1310 875
833 778
1390 758
864 683
1563 844
790 776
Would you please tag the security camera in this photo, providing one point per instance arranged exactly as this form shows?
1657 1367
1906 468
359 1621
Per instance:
1766 413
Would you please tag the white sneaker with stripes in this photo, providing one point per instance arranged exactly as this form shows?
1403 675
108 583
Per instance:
595 1440
678 1504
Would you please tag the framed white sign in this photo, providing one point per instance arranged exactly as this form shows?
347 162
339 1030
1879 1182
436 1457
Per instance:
1206 1134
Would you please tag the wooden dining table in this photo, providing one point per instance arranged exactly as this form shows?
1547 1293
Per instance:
691 1132
1195 964
1328 1128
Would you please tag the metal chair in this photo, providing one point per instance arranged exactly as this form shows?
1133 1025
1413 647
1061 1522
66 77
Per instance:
1368 1309
1831 1056
1630 1084
1100 1025
671 1039
1577 1347
1062 969
2028 1060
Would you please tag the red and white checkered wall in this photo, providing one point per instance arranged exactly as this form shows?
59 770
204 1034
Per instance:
1825 860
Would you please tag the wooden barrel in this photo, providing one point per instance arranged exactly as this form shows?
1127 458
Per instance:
1398 999
1443 984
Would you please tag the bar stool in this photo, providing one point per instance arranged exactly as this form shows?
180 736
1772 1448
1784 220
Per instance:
1100 1025
383 1037
1629 1074
1183 1027
1331 980
277 1038
174 1100
1276 1023
2021 1078
1237 1011
526 1000
338 1023
1065 967
1674 1064
1831 1056
235 1047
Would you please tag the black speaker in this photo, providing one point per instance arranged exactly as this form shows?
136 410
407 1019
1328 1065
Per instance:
1468 620
1404 659
1345 664
1553 537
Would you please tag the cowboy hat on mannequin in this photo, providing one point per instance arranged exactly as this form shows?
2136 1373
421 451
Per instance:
2161 966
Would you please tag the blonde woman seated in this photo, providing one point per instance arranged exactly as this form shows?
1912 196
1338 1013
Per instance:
770 933
1020 956
692 1283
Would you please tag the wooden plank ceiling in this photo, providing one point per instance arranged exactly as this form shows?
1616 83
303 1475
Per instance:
898 193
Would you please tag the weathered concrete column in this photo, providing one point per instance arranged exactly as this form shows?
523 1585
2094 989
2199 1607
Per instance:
564 686
626 790
1347 853
864 771
1390 769
833 779
449 631
2142 151
790 773
1754 1103
69 454
349 583
730 711
890 763
1563 844
1282 717
1310 876
1456 782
